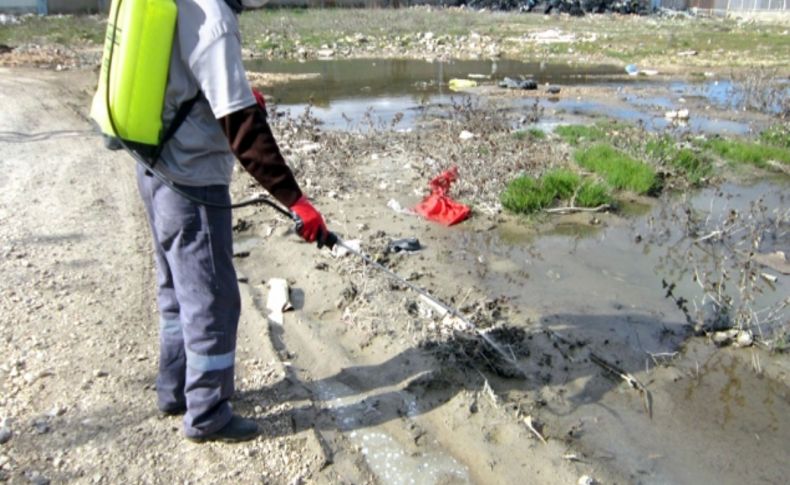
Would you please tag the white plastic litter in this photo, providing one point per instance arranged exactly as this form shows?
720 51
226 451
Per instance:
339 251
395 206
278 300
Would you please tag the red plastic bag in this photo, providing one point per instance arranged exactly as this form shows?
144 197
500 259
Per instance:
438 206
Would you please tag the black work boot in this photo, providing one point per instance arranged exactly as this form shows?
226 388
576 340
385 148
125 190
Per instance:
238 429
175 410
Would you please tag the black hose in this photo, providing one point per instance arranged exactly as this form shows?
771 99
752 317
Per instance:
149 165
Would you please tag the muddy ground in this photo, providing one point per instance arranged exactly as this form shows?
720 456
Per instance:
361 382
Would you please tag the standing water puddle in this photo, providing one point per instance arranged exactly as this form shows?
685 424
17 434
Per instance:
351 93
604 288
341 92
587 270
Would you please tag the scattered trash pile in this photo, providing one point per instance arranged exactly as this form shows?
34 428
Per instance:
571 7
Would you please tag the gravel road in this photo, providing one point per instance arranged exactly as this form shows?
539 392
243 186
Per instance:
78 336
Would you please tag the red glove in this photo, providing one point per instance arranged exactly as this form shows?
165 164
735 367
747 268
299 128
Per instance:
313 226
259 99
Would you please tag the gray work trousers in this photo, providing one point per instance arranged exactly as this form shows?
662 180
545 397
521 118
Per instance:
199 302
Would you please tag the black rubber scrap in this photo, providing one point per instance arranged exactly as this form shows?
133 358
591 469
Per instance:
409 244
510 83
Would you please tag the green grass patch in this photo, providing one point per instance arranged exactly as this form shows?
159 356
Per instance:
532 133
576 134
747 152
593 194
777 135
526 194
619 170
693 165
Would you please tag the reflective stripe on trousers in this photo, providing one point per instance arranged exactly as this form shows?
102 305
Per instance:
199 302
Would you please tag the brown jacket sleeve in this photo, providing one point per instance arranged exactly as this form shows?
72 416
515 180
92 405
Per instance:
253 143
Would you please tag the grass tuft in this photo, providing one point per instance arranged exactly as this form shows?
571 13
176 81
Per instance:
560 183
525 194
695 166
746 152
533 133
777 135
576 134
618 169
593 194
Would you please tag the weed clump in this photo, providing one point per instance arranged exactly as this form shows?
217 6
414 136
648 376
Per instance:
619 170
576 134
593 194
695 166
525 194
777 135
755 154
533 133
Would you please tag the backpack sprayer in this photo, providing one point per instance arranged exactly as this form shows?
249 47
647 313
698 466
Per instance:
129 102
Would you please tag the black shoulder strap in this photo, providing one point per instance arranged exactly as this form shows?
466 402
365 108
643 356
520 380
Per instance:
178 120
235 5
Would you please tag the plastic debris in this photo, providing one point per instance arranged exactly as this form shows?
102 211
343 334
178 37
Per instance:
278 300
776 261
461 84
409 244
769 277
466 135
438 206
745 338
511 83
681 114
339 251
632 70
586 480
738 338
397 207
553 90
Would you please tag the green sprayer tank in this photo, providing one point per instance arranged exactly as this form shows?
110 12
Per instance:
143 34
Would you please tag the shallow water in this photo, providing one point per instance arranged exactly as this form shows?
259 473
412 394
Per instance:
600 269
345 91
353 93
597 284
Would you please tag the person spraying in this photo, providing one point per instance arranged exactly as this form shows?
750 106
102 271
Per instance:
191 128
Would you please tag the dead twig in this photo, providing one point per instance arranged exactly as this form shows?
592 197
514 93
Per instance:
531 426
571 210
489 392
628 378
